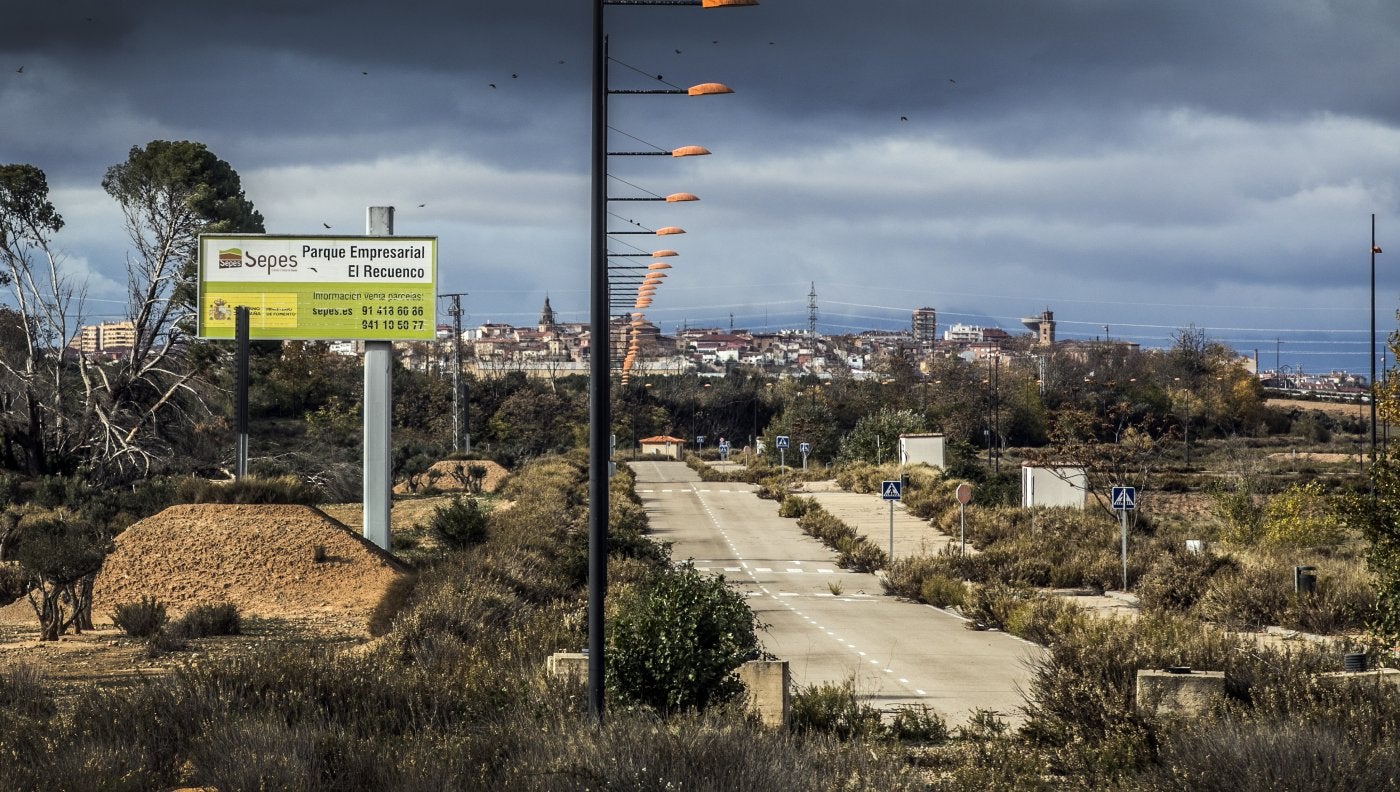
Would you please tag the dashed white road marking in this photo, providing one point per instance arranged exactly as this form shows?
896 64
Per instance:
795 569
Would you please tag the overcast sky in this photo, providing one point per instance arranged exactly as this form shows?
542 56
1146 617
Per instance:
1144 166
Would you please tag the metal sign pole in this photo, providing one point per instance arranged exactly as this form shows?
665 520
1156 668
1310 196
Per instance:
379 410
891 531
1123 517
240 409
962 529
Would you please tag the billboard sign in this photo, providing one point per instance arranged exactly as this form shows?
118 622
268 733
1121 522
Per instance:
319 288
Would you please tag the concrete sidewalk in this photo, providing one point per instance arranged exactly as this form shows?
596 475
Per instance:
869 515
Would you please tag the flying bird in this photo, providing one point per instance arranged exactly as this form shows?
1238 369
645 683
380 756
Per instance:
493 85
678 52
420 206
1375 248
904 118
364 72
324 224
515 76
20 70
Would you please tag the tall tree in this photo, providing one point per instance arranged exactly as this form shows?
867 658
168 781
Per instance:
32 421
169 193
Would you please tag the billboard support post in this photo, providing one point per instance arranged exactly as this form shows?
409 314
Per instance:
379 410
240 406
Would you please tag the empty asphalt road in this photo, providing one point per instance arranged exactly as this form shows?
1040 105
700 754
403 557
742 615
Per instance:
828 623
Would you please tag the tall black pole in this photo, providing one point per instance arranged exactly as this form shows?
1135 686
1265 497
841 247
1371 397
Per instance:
240 402
1373 338
599 374
996 406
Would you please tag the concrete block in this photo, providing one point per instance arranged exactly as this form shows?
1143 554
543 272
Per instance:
767 682
1384 678
1170 693
568 665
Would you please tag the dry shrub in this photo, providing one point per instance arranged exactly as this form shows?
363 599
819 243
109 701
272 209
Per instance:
1083 687
904 577
941 591
204 620
249 489
1178 580
853 550
141 619
1251 597
1262 756
795 506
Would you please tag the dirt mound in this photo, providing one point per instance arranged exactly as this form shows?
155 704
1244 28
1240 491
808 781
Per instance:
260 558
451 476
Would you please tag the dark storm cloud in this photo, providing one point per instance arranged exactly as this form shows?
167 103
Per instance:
949 153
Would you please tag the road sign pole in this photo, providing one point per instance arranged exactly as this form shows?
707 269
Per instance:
782 460
891 531
962 529
964 495
1123 517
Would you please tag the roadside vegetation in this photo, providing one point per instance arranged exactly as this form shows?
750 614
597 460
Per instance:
452 691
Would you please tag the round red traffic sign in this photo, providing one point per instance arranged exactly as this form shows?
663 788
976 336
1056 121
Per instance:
964 493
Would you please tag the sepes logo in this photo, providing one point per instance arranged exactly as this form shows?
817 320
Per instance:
268 261
230 258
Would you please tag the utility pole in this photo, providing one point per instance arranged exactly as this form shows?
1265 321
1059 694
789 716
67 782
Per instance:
460 429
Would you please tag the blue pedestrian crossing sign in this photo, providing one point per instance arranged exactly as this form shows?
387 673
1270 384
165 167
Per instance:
782 441
1124 498
889 490
805 448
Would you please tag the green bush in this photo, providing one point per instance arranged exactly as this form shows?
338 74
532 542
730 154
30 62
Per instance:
917 723
677 643
141 619
205 620
460 523
833 709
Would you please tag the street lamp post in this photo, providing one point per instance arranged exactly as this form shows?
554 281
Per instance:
1372 382
600 344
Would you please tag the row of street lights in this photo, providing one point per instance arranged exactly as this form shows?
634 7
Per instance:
601 313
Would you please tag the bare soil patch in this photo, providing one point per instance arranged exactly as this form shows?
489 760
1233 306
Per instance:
261 558
1311 456
1335 409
